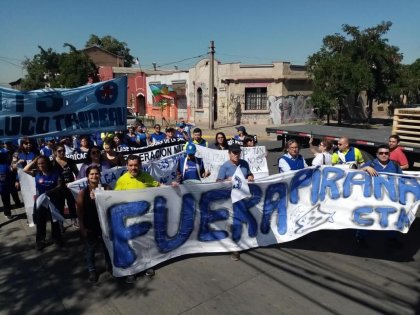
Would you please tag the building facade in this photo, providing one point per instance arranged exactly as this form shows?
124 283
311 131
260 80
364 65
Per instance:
250 94
136 89
167 95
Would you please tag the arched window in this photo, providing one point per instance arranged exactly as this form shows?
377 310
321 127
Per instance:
199 98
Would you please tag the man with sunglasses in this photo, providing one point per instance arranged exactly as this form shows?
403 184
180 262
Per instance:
346 153
158 135
382 163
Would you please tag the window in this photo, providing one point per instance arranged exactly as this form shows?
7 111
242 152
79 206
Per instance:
255 98
199 98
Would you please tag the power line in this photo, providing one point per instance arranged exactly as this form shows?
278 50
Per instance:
9 58
179 61
11 63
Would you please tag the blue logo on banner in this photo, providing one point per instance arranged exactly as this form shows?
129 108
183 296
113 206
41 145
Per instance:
107 93
237 183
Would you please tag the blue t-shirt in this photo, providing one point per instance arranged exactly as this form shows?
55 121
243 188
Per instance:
45 151
391 167
156 137
228 169
142 138
193 169
5 175
27 157
44 183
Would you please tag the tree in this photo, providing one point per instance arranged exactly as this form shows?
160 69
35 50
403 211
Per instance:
42 70
357 61
413 90
75 68
335 77
51 69
112 45
383 60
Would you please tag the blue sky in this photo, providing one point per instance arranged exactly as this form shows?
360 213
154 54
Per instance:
167 31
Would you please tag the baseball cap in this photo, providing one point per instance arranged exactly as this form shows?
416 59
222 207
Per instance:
241 128
191 149
235 148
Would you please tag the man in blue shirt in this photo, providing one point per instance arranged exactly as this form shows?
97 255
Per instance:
382 164
228 168
191 168
158 135
291 160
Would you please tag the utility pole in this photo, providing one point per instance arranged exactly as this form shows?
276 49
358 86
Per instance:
211 86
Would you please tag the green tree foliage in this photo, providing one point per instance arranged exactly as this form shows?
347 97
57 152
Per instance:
413 90
349 64
112 45
75 68
42 70
51 69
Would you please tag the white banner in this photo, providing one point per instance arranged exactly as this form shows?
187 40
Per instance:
213 160
142 228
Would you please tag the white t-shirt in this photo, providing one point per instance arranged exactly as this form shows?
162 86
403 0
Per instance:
319 159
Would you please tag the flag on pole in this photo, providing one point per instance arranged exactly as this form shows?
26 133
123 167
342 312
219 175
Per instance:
137 62
240 188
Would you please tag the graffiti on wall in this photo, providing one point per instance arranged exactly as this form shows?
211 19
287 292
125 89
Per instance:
288 109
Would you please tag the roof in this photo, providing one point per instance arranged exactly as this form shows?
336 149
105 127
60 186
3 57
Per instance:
100 48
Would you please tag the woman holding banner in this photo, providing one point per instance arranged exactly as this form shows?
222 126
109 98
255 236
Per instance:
90 228
46 179
68 171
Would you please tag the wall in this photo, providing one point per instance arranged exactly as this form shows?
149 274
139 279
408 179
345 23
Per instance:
136 83
290 109
178 83
281 79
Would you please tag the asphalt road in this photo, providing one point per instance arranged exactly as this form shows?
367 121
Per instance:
321 273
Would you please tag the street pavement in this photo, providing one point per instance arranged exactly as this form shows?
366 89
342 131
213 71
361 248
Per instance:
321 273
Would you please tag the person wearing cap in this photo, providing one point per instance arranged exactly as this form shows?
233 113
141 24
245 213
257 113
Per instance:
180 130
241 133
228 169
190 168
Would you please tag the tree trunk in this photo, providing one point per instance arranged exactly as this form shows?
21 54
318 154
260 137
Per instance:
370 106
340 109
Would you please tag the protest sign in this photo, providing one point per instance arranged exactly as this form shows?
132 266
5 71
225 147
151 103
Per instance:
59 112
142 228
213 160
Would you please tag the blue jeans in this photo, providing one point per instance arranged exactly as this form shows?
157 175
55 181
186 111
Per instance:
92 241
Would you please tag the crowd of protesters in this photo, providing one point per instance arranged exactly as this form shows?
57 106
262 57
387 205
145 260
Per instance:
47 161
